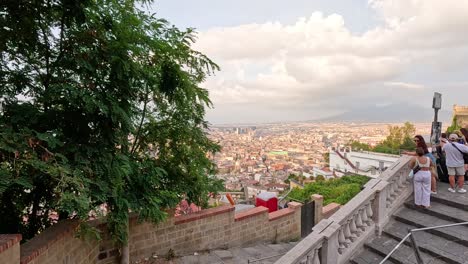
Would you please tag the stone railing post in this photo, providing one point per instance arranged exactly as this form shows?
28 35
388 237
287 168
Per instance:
318 205
330 245
379 206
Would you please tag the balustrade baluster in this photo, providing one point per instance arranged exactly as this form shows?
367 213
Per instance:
359 222
353 227
316 257
342 244
402 179
364 217
394 193
350 237
369 212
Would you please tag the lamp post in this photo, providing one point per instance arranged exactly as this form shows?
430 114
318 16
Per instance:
436 125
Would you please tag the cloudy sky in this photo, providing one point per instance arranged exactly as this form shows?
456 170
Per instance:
313 59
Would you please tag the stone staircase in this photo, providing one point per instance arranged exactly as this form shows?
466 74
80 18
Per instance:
444 245
271 252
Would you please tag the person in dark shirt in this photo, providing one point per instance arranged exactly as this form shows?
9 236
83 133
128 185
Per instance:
464 132
441 164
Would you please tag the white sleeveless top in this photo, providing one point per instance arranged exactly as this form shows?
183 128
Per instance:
425 165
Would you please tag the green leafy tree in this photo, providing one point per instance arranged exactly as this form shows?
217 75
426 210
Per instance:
326 157
292 176
454 126
101 105
408 130
356 145
399 138
320 178
395 137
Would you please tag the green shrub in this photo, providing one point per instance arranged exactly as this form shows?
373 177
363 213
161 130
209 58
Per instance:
333 191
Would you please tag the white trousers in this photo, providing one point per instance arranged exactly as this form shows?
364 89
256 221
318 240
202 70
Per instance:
422 188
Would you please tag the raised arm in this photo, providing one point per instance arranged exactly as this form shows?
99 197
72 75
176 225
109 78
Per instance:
413 162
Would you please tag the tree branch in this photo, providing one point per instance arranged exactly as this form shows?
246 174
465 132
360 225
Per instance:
141 122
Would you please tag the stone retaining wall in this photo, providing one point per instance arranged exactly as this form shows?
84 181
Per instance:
214 228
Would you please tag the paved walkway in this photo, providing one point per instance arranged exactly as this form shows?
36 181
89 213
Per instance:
271 252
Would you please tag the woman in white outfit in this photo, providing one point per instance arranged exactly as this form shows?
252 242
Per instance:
422 179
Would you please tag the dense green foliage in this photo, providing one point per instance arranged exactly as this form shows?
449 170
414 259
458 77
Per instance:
101 105
326 157
454 127
333 191
356 145
297 178
399 138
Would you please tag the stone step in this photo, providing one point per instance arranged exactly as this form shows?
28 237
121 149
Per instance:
442 211
243 255
222 254
369 257
280 248
200 259
269 253
419 219
457 200
240 255
403 255
436 246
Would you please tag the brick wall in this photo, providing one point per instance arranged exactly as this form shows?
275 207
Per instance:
213 228
330 209
210 229
58 244
10 249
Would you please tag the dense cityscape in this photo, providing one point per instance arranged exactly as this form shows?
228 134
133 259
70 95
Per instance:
262 156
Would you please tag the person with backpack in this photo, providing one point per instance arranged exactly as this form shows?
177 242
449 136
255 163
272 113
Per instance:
464 132
454 154
441 161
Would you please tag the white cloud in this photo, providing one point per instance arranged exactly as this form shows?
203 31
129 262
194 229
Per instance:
318 57
410 86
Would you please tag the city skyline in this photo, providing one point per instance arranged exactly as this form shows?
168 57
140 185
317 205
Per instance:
312 61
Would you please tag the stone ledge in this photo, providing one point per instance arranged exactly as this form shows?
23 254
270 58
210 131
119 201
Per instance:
294 205
203 214
7 241
251 212
330 209
280 213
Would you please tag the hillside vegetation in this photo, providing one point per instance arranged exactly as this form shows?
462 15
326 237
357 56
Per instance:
333 191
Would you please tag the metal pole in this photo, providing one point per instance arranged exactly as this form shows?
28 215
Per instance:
416 230
441 226
419 259
395 248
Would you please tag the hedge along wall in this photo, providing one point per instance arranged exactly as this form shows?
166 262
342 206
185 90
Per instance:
205 230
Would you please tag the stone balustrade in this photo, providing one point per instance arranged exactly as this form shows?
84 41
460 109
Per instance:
334 240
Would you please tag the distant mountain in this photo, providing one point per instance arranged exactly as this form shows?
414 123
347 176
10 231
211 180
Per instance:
390 113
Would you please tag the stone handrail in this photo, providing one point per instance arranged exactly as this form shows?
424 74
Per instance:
334 240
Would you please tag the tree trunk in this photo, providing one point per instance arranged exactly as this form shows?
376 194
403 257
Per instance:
125 254
125 249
